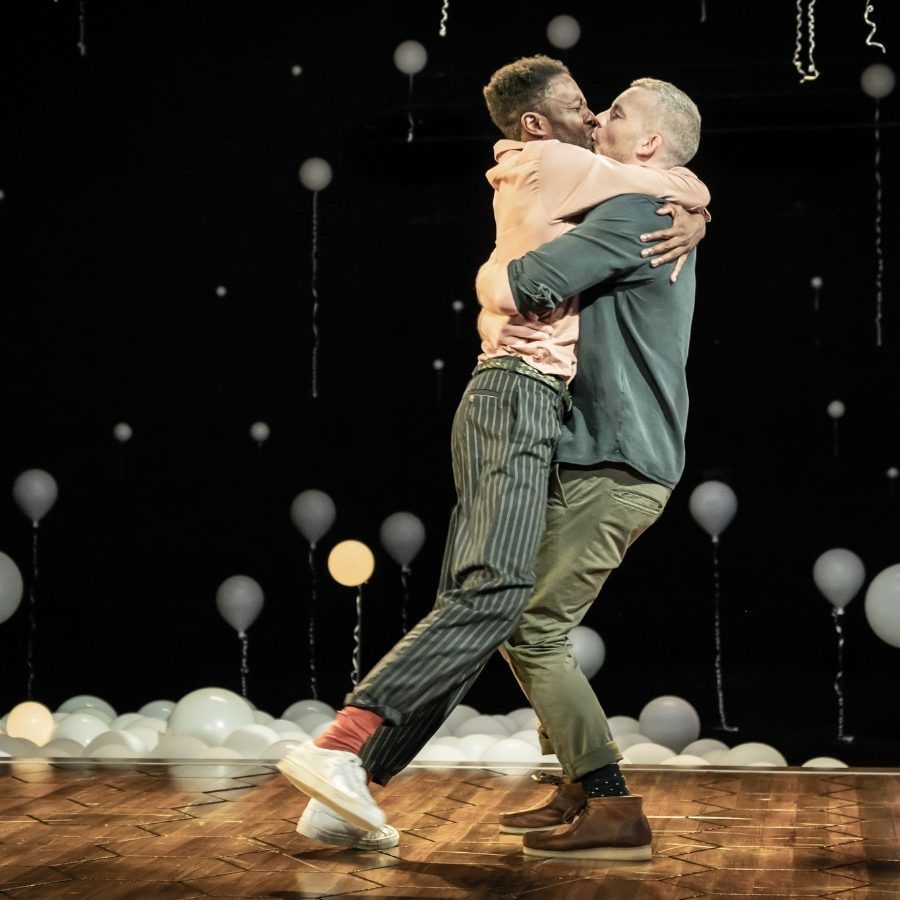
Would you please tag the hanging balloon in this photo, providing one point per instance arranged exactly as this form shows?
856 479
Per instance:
122 432
816 282
839 574
259 431
11 587
239 600
883 605
313 513
892 473
402 535
878 80
35 493
563 32
836 409
351 563
588 649
315 174
410 57
713 505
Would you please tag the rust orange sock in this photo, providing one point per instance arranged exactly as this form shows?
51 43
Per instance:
352 727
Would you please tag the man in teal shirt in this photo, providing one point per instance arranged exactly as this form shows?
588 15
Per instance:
620 454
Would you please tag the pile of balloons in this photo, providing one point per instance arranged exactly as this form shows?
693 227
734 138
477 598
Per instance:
213 723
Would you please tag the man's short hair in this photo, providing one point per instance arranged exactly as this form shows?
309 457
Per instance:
678 120
520 87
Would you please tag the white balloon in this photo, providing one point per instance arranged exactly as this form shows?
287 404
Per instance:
563 32
122 432
11 587
63 748
35 492
239 600
127 740
157 709
671 721
622 725
440 753
892 473
524 717
482 725
151 722
713 505
684 759
460 714
259 431
80 727
410 57
511 750
473 745
714 757
307 705
124 719
704 745
878 80
180 746
310 721
87 701
753 753
836 409
96 711
249 741
630 738
649 754
530 737
824 762
315 174
816 282
402 535
281 748
883 605
313 513
839 574
588 649
210 714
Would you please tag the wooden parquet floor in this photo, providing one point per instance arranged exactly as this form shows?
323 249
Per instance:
197 830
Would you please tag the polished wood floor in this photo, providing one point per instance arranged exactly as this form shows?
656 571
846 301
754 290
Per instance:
106 831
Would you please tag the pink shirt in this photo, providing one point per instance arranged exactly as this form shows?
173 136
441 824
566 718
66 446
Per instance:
541 188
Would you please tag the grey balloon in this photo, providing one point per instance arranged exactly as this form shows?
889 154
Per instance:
35 493
313 513
239 601
11 586
402 535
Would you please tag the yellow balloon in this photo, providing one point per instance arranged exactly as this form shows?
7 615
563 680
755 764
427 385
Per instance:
33 721
351 563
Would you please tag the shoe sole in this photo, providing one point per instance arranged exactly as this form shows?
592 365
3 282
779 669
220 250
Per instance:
510 829
315 786
623 853
342 840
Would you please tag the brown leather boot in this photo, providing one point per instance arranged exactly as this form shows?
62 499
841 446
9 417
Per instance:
566 801
608 828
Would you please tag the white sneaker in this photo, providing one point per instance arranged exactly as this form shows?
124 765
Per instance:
324 825
335 777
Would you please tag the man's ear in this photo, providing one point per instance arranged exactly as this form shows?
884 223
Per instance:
533 125
649 146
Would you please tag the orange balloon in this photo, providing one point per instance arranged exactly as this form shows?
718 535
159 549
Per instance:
351 563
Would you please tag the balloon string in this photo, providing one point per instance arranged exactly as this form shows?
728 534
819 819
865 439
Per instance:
879 270
836 614
409 115
82 42
314 688
404 580
835 437
442 31
315 295
810 73
32 608
703 11
245 668
868 21
719 677
357 639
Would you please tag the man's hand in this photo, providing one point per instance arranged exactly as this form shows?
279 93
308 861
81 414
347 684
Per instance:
676 242
515 333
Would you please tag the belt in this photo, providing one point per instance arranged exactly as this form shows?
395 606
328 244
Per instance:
514 364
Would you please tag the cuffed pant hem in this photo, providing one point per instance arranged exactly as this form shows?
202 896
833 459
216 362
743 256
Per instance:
390 715
606 755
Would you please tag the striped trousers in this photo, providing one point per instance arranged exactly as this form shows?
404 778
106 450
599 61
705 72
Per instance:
504 434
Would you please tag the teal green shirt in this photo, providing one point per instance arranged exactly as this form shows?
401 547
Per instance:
630 390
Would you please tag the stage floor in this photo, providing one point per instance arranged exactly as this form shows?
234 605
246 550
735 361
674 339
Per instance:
196 829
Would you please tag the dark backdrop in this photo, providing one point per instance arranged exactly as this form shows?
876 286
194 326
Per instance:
162 163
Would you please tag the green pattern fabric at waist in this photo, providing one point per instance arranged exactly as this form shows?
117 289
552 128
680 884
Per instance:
514 364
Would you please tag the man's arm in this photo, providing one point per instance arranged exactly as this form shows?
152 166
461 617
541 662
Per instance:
602 248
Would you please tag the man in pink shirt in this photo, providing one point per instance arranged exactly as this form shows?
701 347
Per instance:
504 435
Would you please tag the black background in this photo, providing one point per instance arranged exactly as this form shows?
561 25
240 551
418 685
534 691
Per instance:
163 163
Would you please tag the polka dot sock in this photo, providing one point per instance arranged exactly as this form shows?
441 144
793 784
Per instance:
605 782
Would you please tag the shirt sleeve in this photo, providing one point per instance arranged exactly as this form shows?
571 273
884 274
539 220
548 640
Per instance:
573 180
604 247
